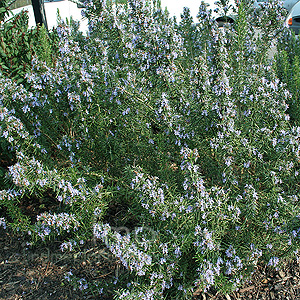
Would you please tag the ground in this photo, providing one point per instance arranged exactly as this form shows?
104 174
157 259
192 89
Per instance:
39 273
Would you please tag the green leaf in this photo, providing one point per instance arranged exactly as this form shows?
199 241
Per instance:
20 80
2 172
4 67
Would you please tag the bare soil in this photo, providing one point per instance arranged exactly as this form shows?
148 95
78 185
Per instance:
39 273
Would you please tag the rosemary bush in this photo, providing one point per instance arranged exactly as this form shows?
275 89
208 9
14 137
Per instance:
184 126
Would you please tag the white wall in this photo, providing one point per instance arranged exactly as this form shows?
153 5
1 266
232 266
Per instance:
66 9
175 7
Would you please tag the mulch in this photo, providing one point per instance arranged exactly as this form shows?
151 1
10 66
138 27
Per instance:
39 272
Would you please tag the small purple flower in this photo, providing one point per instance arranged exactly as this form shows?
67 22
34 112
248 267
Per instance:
3 222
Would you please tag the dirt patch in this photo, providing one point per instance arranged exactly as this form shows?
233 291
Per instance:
40 273
266 284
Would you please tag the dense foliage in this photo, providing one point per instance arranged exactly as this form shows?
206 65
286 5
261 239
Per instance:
183 127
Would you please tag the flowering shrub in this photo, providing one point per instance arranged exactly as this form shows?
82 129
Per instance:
184 126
